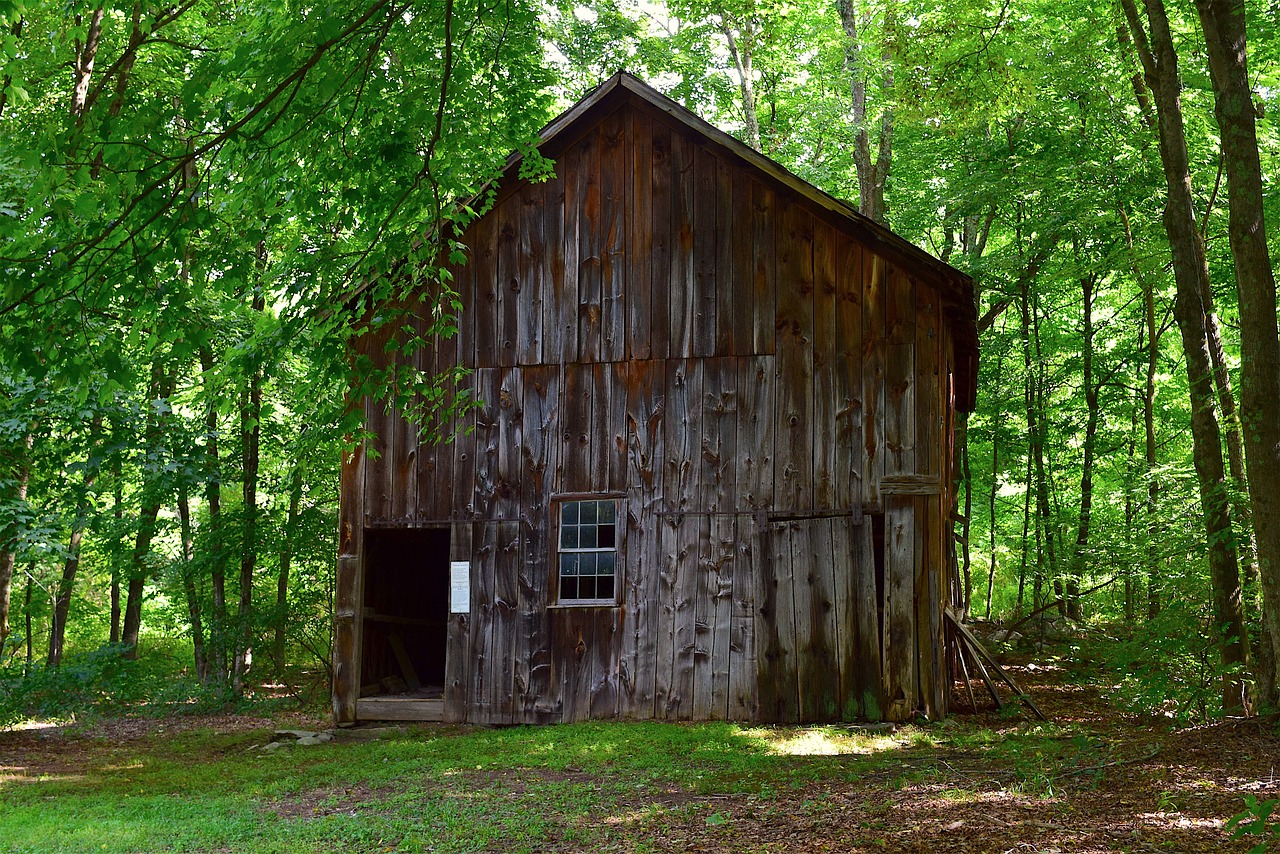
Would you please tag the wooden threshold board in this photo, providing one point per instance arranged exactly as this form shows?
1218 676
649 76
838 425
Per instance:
399 709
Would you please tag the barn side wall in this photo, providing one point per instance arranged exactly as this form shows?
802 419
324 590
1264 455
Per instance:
769 398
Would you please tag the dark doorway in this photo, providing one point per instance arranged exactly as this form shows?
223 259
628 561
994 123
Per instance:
406 610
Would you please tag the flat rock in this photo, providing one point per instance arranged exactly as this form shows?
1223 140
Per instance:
275 745
308 740
295 733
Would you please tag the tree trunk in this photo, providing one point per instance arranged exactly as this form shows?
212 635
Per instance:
250 432
742 62
71 564
1224 32
286 560
873 174
219 638
189 586
1191 275
1078 555
9 539
161 389
118 513
995 473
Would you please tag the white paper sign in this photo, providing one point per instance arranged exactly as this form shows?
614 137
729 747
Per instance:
459 586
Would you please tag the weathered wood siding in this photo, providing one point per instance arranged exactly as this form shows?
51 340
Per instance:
770 399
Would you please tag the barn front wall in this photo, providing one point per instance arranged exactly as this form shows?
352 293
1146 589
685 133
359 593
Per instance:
765 398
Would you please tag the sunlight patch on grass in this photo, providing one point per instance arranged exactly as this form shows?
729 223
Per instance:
820 741
1178 820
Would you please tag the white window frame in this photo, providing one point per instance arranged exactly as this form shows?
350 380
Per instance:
558 504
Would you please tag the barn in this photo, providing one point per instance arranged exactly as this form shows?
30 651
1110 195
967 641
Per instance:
709 473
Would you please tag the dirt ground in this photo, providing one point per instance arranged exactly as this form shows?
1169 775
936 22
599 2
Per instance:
1119 783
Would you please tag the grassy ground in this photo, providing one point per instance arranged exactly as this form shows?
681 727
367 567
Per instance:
1095 780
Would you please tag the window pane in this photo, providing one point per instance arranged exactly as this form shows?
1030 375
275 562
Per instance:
568 588
569 537
605 563
587 563
605 537
568 565
606 511
587 587
604 587
569 513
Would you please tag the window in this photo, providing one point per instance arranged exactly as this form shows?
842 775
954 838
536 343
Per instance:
588 550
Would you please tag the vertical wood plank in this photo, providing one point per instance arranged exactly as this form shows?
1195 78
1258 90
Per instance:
681 535
617 377
464 452
615 164
826 432
778 678
702 605
603 702
867 609
536 701
899 640
559 303
743 696
817 671
575 164
724 552
640 243
764 237
756 418
931 459
847 372
793 456
591 246
646 406
873 359
600 443
662 252
705 251
848 568
572 637
463 344
509 405
484 674
575 430
682 282
457 659
434 463
346 606
733 261
484 305
534 273
510 284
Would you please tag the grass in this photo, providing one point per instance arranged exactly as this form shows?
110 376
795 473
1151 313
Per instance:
440 789
590 786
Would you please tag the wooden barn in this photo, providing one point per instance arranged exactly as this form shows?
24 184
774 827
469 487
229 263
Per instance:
710 475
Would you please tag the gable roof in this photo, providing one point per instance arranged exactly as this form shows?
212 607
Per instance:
623 88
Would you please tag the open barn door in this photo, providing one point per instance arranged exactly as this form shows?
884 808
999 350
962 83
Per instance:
404 614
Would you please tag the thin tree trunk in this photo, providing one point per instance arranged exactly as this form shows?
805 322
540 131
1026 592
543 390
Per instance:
118 514
1191 275
1078 556
86 55
995 474
26 615
250 431
742 62
161 389
9 543
219 638
189 585
1149 424
71 564
1047 516
1224 32
286 561
873 175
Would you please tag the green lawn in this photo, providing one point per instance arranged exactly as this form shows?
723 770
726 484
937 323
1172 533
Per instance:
434 788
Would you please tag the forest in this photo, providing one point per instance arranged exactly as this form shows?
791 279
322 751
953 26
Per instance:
190 190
